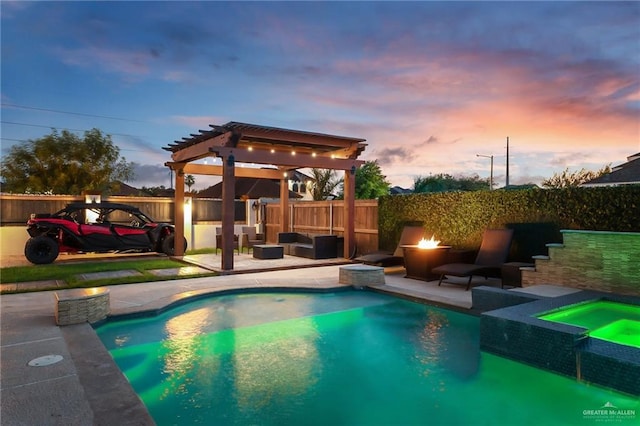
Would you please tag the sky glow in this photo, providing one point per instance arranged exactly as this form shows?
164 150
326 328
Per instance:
428 84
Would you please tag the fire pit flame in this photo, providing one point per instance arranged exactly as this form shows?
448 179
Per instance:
427 244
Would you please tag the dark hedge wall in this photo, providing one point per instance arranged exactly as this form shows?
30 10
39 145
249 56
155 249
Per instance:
459 218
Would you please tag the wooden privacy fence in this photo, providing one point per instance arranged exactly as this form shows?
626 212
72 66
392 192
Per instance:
309 217
16 209
326 217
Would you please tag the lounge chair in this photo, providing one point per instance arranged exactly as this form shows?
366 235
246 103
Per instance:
410 235
493 252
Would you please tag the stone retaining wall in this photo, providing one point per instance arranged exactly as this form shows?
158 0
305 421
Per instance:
591 260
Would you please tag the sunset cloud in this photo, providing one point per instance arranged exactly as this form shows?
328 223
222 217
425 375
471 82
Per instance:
428 84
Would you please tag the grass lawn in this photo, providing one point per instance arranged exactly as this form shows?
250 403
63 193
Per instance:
69 272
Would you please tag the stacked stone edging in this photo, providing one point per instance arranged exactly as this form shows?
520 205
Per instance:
590 260
360 276
79 306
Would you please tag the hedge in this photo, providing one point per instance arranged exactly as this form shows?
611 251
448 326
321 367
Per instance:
459 218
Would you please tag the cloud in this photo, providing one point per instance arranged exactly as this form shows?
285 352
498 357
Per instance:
198 122
137 147
151 175
392 156
10 9
121 61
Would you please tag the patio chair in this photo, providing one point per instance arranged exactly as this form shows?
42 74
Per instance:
236 244
252 237
410 235
493 252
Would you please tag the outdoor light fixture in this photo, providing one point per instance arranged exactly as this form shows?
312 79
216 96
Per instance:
273 150
293 153
313 154
491 178
250 148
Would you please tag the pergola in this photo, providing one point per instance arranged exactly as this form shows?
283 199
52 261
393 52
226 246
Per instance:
284 149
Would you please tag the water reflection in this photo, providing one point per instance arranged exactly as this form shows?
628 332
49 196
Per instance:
278 363
447 344
185 349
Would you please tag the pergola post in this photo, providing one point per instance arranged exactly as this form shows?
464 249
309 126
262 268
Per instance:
285 149
228 211
284 204
178 209
349 211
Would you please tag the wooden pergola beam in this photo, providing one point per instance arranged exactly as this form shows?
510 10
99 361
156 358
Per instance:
286 159
201 149
214 170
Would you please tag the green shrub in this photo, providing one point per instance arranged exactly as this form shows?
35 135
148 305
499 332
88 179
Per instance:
459 218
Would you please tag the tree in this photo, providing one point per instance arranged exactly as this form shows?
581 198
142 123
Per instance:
444 182
569 179
370 182
64 163
325 183
189 180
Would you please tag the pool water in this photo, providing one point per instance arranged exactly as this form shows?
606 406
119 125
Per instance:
606 320
350 358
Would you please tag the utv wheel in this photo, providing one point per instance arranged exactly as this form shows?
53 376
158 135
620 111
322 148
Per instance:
41 250
167 245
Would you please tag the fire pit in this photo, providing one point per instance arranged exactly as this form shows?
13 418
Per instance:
421 258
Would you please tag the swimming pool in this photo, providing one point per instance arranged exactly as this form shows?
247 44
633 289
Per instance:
336 358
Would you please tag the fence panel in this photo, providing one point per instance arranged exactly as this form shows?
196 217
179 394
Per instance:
16 209
325 217
313 217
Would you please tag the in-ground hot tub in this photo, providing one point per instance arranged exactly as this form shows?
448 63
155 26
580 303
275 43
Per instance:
588 335
624 332
604 319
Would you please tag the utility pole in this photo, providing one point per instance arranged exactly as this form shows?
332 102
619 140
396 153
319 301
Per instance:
491 178
507 180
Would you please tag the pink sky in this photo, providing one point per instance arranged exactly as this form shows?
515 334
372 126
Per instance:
428 84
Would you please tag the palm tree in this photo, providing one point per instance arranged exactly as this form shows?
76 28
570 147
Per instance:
189 180
325 183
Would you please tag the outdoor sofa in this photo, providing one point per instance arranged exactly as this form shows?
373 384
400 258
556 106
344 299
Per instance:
311 246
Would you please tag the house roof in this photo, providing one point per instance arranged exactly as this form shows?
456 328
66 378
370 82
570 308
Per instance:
126 190
396 190
624 174
251 188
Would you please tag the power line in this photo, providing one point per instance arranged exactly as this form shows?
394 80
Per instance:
71 113
66 128
121 149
